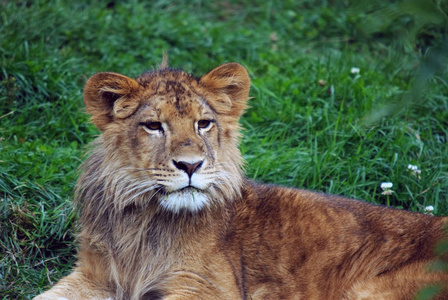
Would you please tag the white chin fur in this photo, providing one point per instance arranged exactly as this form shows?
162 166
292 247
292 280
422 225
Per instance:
191 200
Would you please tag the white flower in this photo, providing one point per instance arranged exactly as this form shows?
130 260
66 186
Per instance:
354 70
386 185
429 208
414 169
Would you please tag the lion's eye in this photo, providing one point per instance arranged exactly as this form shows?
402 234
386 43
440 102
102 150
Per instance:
204 124
153 125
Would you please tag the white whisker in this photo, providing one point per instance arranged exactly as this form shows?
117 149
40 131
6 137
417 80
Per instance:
151 188
155 193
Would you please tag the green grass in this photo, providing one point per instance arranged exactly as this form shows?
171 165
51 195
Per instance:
312 123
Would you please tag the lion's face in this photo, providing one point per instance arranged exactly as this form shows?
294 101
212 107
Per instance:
171 137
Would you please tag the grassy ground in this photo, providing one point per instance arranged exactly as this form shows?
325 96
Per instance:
313 123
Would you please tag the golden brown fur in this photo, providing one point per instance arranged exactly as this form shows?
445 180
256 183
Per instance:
166 214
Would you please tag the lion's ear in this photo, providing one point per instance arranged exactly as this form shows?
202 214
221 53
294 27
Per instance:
110 95
230 83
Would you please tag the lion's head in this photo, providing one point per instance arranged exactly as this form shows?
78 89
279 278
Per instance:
167 137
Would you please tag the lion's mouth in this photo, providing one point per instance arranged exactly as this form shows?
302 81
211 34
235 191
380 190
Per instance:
190 189
187 198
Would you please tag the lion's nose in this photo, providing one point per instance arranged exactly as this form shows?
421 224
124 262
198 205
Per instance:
188 168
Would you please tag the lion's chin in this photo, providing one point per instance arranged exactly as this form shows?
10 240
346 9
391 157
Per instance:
189 199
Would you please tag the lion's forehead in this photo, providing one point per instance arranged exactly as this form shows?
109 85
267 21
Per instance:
164 108
172 93
180 103
174 104
166 82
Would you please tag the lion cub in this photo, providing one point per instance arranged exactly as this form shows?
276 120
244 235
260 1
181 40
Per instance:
165 212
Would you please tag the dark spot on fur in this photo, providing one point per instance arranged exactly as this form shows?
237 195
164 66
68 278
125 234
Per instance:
297 263
187 143
153 295
227 134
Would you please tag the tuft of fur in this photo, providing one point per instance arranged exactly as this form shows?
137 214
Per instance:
165 212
